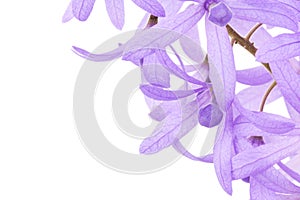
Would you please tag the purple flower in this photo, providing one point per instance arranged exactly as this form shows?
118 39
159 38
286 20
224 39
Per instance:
251 144
186 105
173 27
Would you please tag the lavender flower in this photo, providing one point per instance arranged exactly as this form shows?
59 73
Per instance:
251 144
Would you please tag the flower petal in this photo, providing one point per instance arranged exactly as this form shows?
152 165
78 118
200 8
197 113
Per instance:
266 121
115 10
174 69
68 13
181 149
174 126
281 47
288 82
151 6
154 72
221 64
268 12
223 153
164 33
166 107
171 7
247 129
82 8
99 57
158 93
251 97
276 181
295 5
161 111
210 115
289 171
253 76
258 191
255 160
293 113
190 44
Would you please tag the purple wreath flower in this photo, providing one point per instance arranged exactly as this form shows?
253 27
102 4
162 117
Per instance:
249 142
261 141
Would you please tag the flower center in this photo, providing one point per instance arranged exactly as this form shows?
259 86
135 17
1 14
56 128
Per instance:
208 3
220 14
256 141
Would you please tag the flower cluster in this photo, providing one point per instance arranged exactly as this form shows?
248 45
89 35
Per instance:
258 147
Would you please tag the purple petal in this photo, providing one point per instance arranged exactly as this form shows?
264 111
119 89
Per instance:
174 126
68 13
288 82
253 76
115 10
294 163
154 72
223 153
295 5
244 128
281 47
99 57
161 111
171 7
259 192
251 97
221 63
289 171
255 160
273 13
158 93
82 8
166 107
173 68
266 121
276 181
144 21
210 115
220 14
191 45
151 6
247 129
293 113
181 149
165 32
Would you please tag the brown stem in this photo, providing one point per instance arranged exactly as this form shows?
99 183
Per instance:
249 46
262 105
241 41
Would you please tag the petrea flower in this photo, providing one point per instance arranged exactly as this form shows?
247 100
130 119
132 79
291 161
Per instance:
250 145
183 116
259 147
179 110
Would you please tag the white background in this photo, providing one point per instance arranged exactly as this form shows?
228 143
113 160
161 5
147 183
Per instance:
40 152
